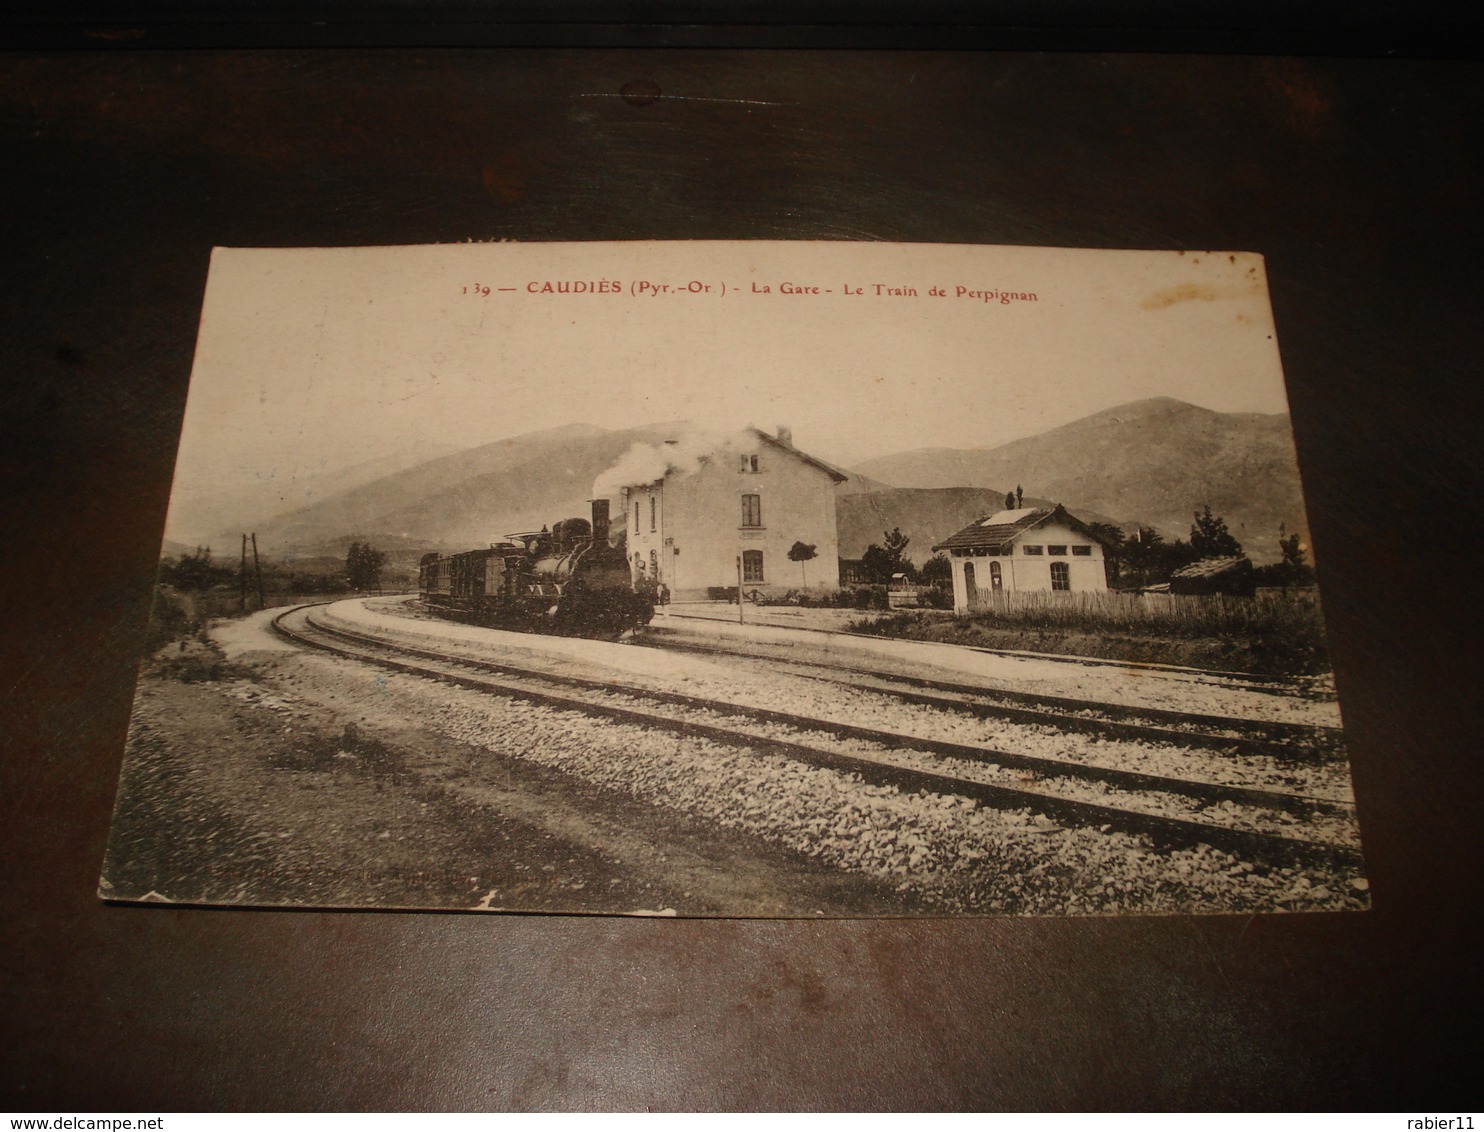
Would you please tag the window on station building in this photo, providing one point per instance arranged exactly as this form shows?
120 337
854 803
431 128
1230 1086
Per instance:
1032 549
747 462
752 510
651 512
1082 551
1057 550
752 565
636 516
1061 576
654 564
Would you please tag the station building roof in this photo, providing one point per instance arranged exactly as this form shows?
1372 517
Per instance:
993 533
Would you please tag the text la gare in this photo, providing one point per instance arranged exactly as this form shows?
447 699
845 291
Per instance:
883 290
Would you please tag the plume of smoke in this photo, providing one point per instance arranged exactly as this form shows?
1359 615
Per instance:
646 463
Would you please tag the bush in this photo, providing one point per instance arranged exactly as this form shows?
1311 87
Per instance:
864 597
170 619
197 662
935 597
1272 632
317 584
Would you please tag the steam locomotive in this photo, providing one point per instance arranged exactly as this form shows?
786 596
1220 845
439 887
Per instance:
567 580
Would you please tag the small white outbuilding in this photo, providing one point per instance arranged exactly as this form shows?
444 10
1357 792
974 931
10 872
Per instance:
1030 549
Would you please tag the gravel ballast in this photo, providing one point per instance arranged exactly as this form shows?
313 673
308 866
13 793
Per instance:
948 851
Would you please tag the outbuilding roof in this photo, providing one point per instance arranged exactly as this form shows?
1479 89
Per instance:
994 532
1212 567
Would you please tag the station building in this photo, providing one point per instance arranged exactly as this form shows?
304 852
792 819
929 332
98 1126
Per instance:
748 501
1031 549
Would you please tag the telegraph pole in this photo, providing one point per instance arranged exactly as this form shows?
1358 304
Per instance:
739 589
257 568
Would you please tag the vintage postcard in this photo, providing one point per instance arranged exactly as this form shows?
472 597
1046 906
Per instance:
737 579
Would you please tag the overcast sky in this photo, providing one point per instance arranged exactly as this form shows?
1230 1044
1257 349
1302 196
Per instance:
314 359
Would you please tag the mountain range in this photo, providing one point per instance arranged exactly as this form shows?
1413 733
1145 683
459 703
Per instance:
1149 462
464 499
1152 462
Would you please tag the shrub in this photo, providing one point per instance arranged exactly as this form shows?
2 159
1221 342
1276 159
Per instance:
935 597
317 584
196 662
1271 632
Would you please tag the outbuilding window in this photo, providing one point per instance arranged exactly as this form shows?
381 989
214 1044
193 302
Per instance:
752 565
1082 551
1059 550
1061 576
996 579
1033 549
752 510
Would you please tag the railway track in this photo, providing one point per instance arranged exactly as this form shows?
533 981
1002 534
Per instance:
880 757
1285 742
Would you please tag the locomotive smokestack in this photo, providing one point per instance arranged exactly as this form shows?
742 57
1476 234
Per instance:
600 521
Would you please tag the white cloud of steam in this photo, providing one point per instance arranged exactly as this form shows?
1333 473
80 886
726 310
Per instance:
646 463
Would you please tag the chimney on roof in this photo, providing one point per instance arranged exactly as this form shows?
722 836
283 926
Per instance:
785 435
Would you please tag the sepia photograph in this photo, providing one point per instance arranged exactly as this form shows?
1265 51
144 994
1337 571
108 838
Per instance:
746 579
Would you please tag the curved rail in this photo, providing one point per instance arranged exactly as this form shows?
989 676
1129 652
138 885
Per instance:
518 683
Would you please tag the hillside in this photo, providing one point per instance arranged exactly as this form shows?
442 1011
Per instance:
926 515
466 499
1152 462
200 519
858 484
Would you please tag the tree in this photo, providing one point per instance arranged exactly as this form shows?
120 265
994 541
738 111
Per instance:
1009 501
895 545
363 564
937 571
1019 497
195 571
1291 548
802 552
1151 560
1294 569
1141 553
877 565
1209 537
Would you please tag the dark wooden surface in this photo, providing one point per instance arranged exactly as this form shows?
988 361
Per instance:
1360 181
